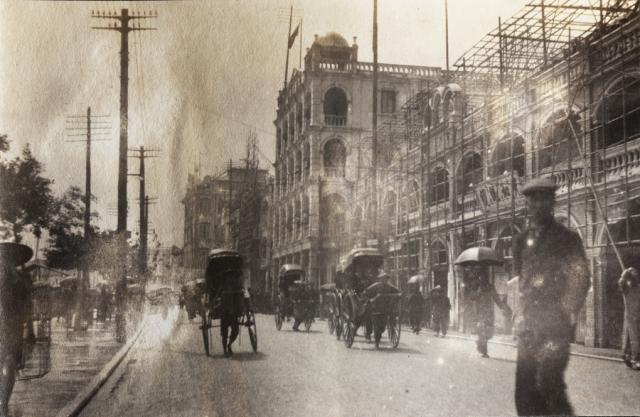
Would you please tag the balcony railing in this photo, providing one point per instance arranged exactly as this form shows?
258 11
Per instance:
615 159
333 120
337 172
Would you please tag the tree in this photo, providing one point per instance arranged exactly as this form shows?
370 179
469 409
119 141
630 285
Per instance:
4 143
68 247
25 195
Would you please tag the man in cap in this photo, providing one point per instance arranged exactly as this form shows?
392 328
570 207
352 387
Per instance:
15 305
554 280
440 307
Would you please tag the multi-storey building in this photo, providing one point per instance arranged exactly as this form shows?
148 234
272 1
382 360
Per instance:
206 203
249 225
324 140
230 209
453 179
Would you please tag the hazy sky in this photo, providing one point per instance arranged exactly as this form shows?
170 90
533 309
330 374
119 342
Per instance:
209 70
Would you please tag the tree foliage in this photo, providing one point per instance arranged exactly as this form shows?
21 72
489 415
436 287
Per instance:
25 194
67 245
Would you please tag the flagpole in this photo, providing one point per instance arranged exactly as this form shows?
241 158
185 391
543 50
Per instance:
300 58
286 66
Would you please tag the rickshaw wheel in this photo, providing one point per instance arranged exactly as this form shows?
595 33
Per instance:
339 327
393 331
278 319
349 334
332 324
253 330
206 326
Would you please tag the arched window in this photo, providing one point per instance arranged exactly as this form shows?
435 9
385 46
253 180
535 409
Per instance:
470 172
447 105
439 256
290 220
335 107
297 225
335 158
307 158
305 215
623 97
390 212
413 197
501 161
285 134
440 186
556 141
356 221
292 168
299 166
435 109
439 265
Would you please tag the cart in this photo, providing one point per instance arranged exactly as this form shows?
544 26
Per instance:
225 296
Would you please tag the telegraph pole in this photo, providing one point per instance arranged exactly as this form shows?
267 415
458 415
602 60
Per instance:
141 153
78 129
122 26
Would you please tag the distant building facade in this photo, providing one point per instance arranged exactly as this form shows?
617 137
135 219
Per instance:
453 181
323 148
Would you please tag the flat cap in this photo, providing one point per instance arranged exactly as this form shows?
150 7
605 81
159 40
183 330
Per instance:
542 184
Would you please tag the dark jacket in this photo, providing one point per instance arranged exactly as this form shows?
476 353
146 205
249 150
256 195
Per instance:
15 307
554 277
440 304
484 296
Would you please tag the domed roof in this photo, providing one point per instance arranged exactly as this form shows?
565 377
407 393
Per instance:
332 39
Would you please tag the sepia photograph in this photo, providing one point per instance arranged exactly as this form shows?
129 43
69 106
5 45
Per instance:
319 208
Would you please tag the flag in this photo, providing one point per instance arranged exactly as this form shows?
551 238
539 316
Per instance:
292 37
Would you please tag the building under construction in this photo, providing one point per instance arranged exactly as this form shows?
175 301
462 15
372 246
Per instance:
552 91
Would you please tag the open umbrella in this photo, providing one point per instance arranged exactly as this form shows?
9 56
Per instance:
479 255
416 279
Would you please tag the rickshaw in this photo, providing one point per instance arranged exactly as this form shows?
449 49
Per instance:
304 300
369 300
225 298
329 307
295 299
160 299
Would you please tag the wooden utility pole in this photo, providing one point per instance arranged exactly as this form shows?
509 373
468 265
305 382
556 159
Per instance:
80 126
122 26
141 153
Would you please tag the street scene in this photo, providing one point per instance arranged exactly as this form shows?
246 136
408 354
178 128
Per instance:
320 208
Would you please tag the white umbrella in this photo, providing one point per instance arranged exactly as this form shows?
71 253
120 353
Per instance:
479 255
416 279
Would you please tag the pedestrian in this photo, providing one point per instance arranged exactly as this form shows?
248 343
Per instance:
232 305
553 282
483 295
375 323
415 305
14 314
440 307
630 286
